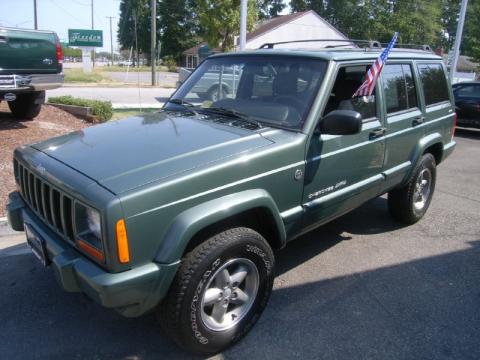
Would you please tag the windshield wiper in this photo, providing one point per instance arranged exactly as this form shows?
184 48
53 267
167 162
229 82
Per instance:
234 113
188 106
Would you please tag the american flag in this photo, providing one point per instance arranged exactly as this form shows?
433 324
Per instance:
368 85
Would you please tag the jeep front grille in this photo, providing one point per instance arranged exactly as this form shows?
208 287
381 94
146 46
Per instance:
53 206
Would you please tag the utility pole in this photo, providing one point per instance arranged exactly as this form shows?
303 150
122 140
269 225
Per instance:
35 20
111 38
243 24
458 39
93 52
136 37
153 40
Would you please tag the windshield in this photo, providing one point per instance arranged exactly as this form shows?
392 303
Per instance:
268 90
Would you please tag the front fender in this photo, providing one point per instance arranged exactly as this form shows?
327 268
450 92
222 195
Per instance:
191 221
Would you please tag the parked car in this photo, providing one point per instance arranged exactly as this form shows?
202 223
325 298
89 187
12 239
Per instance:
126 63
30 62
181 211
467 102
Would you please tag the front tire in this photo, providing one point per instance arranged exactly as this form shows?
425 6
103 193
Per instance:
409 203
219 292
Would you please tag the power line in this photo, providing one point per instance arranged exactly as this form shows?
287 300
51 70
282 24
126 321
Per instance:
80 3
66 12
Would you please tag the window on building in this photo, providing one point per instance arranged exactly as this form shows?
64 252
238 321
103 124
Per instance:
434 83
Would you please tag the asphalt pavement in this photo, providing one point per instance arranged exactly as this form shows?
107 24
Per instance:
168 79
361 287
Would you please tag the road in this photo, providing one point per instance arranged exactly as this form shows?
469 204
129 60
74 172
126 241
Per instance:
361 287
125 97
167 79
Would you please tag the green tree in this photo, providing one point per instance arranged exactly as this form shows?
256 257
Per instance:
417 21
471 33
71 52
449 20
177 27
134 12
219 21
270 8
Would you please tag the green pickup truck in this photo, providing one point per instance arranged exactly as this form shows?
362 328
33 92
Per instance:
181 210
30 63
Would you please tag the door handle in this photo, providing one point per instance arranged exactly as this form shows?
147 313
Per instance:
418 120
377 132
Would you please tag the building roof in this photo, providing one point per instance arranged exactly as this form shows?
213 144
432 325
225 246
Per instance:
273 23
267 26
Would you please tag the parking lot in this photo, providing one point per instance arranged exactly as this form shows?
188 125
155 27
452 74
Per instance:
361 287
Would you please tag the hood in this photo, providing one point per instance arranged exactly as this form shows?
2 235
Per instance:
122 155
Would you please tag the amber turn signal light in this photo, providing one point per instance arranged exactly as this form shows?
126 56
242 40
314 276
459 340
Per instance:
122 242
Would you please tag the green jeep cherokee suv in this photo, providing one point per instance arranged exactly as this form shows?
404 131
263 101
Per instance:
181 210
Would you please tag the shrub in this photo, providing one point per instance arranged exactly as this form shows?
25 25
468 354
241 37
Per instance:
101 109
170 62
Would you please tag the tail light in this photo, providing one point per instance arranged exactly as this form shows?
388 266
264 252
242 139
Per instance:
59 52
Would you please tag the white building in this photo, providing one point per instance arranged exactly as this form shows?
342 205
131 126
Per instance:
298 26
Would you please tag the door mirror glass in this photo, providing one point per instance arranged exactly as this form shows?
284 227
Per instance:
341 122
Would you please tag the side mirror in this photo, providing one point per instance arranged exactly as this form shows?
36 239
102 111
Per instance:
341 122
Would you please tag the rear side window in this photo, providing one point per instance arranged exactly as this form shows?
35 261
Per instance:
399 88
434 83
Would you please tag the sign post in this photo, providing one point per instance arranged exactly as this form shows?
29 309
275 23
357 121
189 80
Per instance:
87 40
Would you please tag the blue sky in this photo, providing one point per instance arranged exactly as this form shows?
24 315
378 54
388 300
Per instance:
60 15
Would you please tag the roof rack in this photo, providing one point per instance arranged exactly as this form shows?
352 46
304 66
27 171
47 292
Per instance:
371 44
423 47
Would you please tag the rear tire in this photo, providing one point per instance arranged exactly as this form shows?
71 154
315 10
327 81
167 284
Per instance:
409 203
219 292
26 106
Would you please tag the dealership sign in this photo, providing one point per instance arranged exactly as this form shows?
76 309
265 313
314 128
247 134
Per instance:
87 38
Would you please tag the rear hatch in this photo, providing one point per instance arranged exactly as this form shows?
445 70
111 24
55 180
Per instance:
28 52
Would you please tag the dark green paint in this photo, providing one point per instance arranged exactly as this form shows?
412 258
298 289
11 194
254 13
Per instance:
27 52
172 175
85 37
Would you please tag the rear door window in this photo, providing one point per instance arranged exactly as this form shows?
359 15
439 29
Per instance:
399 88
434 83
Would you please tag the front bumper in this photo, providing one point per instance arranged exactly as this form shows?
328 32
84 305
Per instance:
132 292
34 82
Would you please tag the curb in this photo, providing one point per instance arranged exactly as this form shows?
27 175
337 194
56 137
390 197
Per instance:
122 106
